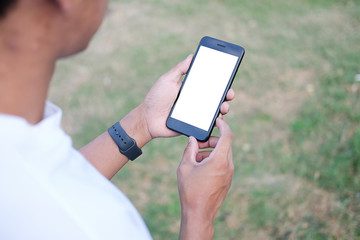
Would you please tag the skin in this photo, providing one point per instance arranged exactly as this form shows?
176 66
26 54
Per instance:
36 33
212 172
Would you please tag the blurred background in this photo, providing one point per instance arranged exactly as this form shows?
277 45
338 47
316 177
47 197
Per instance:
296 115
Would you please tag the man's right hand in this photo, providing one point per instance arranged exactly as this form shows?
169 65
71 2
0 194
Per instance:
204 179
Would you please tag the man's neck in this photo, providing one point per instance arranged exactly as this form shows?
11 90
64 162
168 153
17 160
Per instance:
25 75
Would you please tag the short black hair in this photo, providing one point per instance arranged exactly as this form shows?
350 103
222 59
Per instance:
5 6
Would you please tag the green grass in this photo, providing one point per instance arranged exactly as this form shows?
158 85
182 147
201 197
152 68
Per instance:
296 115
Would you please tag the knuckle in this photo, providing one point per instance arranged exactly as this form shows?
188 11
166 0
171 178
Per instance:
231 169
224 167
230 136
180 171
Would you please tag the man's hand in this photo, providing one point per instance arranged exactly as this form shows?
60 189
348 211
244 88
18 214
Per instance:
204 179
143 123
158 102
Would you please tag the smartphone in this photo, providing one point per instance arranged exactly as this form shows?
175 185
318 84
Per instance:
204 88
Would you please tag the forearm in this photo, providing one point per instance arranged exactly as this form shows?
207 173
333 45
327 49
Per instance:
104 154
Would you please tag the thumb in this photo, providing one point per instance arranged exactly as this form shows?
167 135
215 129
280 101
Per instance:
190 152
181 68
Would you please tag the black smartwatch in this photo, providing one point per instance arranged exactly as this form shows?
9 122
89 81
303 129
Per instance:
127 145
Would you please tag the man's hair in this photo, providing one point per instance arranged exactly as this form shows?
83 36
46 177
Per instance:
5 6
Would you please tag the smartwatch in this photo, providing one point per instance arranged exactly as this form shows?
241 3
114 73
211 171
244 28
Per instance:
127 145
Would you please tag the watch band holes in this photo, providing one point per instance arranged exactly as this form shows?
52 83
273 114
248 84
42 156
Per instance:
121 139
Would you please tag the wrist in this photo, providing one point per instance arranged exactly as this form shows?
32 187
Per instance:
195 226
134 124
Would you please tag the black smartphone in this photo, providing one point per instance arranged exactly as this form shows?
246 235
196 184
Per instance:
204 88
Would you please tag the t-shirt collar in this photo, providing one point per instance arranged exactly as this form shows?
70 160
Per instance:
51 120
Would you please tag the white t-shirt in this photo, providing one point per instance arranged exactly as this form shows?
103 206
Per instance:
48 190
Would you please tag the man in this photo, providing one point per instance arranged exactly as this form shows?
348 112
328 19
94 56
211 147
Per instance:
48 190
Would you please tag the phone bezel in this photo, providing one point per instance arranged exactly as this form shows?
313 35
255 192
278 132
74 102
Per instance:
190 130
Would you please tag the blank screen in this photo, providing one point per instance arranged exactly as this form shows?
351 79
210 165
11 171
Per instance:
204 87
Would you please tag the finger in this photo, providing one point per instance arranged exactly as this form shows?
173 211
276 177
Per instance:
225 108
180 69
191 151
226 136
202 155
224 128
211 143
230 95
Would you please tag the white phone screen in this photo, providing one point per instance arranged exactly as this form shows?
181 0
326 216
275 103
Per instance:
204 87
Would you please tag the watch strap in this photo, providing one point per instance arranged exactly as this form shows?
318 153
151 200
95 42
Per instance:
127 145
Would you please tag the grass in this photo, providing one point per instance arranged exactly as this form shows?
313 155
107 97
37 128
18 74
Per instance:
295 117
